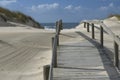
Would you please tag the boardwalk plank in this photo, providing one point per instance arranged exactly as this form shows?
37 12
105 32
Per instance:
83 60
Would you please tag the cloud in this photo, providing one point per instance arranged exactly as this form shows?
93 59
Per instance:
111 5
77 8
45 6
103 8
69 7
7 2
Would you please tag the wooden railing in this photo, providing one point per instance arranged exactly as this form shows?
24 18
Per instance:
103 28
87 24
55 43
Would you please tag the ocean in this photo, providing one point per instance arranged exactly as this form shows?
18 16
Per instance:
65 25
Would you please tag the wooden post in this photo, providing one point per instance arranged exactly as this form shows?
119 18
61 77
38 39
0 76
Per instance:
116 57
88 27
56 26
52 42
61 24
93 32
46 69
57 37
84 24
55 52
58 31
101 36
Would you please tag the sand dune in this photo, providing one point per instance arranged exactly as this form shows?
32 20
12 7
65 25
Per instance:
25 50
23 54
112 23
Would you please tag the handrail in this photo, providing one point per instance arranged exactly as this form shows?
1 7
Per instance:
100 22
55 43
114 37
54 46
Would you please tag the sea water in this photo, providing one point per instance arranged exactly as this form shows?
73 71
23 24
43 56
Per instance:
65 25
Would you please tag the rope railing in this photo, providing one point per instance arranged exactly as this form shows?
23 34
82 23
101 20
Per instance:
103 28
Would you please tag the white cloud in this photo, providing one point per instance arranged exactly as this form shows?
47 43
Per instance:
77 8
69 7
107 7
7 2
46 6
33 8
111 5
103 8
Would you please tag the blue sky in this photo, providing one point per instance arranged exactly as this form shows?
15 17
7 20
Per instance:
68 10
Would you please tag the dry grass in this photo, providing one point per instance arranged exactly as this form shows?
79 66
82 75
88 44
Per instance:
16 16
116 15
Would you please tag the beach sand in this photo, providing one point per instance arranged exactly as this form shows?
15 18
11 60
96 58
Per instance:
25 50
114 25
23 53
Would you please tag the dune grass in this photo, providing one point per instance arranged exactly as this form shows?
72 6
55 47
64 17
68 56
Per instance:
116 15
16 16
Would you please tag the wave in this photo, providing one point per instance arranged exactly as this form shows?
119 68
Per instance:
49 27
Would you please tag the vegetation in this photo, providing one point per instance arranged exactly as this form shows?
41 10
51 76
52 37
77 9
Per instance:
116 15
17 17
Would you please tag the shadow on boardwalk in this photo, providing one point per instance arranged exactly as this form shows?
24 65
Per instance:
109 67
67 35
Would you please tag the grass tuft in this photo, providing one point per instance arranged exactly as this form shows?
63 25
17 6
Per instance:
116 15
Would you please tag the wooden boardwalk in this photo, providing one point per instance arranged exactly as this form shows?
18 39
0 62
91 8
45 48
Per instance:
83 60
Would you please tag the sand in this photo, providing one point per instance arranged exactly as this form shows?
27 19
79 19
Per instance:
114 25
25 50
